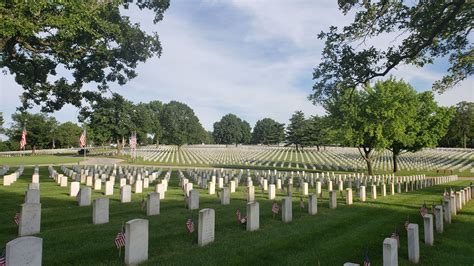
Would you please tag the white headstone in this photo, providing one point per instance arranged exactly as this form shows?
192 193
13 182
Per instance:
26 250
206 227
136 241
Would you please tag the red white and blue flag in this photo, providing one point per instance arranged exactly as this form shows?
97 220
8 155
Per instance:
190 225
120 239
23 139
3 260
82 139
16 218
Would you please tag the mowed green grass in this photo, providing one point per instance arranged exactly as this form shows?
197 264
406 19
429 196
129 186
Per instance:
38 160
331 237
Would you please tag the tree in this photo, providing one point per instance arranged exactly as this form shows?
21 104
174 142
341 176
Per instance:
422 125
231 130
295 131
461 128
38 127
370 119
67 135
90 39
111 120
317 132
430 29
182 125
267 131
156 107
1 123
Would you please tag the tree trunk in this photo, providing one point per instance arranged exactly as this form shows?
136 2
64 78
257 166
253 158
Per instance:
33 151
395 158
369 166
119 148
464 140
317 147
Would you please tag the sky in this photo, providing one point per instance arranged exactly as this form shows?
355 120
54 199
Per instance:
253 58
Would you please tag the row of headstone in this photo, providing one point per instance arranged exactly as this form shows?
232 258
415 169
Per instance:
452 204
11 178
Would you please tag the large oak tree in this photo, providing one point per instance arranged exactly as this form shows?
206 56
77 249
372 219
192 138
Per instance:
54 48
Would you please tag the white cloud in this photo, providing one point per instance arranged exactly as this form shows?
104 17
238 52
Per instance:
258 67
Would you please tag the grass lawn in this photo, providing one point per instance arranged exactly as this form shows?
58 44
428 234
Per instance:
331 237
38 160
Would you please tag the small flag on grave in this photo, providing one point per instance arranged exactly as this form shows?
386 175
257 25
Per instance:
120 239
16 218
3 260
407 222
301 203
275 209
366 259
190 225
423 210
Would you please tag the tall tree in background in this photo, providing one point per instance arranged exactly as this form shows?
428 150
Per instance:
317 132
67 135
111 120
91 40
181 124
422 125
156 108
369 119
427 29
296 130
38 127
268 131
1 123
231 130
461 129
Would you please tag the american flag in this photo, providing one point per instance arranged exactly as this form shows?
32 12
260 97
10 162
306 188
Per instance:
239 215
366 260
3 260
407 222
23 139
423 210
395 236
16 218
82 139
446 194
133 141
275 208
190 225
301 203
120 239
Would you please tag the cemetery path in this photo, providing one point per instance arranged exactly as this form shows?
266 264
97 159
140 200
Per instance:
100 160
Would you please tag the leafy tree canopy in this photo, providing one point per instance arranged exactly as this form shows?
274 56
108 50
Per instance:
231 130
461 129
38 126
67 135
430 29
91 39
181 124
268 131
296 130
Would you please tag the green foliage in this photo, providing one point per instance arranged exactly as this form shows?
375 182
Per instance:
430 29
461 129
90 39
317 132
110 119
372 119
155 107
1 122
38 126
67 135
268 131
181 124
296 130
232 130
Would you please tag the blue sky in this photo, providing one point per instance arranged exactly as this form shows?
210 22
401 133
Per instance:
253 58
